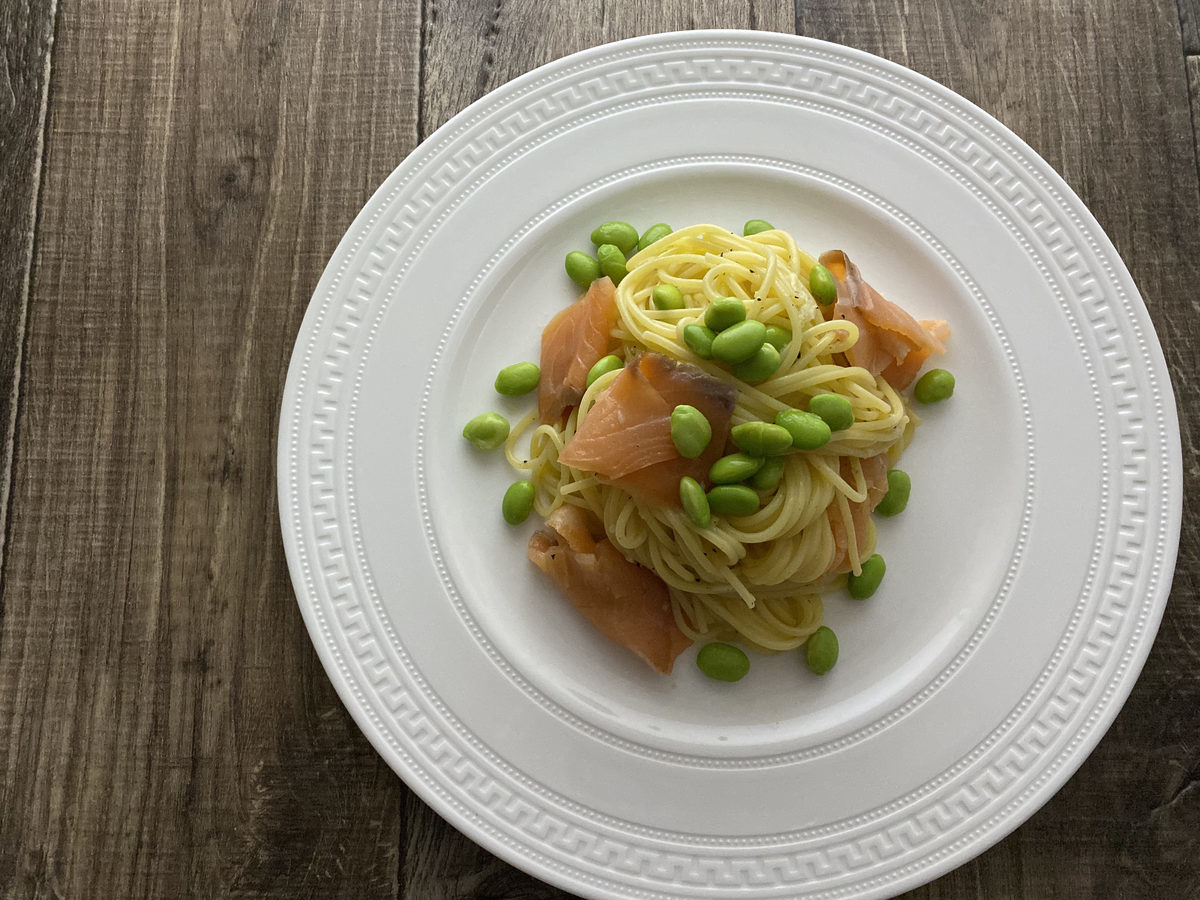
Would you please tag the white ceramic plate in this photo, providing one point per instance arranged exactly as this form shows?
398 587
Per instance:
1025 580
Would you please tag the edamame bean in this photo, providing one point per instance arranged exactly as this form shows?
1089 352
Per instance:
487 431
778 337
724 662
761 438
934 386
894 501
652 234
757 226
724 312
739 342
822 285
518 502
603 366
834 409
821 650
700 339
760 366
808 430
732 500
690 431
768 476
694 501
582 268
666 296
612 262
863 586
620 234
517 379
734 468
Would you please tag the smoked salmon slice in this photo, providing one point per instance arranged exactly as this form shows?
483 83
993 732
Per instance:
875 469
891 343
628 603
572 342
626 436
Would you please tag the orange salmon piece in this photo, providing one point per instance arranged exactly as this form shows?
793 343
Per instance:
626 436
572 342
875 469
626 602
891 343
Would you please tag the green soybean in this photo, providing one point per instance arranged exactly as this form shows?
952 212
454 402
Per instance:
603 366
761 438
821 650
666 296
894 501
739 342
694 501
933 386
732 500
864 585
700 339
757 226
778 337
582 268
808 430
620 234
690 431
517 502
734 468
821 285
724 312
517 379
760 366
487 431
766 478
612 262
724 662
652 234
834 409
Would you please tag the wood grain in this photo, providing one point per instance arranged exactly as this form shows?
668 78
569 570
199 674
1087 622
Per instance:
26 39
473 47
166 728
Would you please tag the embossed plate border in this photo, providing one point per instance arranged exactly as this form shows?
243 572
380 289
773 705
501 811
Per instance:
967 808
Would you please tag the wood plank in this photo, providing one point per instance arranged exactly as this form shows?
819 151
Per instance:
165 727
469 49
1125 825
472 48
26 39
1110 115
510 39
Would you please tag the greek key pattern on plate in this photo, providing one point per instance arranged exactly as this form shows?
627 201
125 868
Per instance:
913 836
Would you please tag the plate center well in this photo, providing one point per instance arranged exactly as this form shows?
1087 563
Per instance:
946 563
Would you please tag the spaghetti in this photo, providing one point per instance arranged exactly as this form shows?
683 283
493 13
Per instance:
756 578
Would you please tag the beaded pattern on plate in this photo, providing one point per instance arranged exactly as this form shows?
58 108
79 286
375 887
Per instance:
593 857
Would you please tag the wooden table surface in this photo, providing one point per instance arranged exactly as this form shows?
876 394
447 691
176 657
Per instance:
174 175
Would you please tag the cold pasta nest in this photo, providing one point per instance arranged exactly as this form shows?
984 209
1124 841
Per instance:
718 417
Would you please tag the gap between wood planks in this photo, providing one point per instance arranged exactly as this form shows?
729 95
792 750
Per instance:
1189 35
29 248
1192 65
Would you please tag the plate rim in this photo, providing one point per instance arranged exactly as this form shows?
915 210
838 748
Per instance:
1088 225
